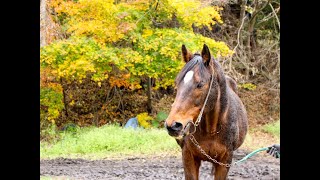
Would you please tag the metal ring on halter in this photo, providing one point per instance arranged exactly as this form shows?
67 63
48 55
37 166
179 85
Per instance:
195 128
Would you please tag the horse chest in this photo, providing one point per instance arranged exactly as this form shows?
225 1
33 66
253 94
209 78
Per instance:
211 146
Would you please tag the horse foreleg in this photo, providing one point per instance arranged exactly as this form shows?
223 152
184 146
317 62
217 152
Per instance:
191 165
221 172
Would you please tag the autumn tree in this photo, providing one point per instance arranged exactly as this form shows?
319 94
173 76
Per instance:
122 42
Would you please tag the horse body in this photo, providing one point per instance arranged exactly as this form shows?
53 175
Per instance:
223 125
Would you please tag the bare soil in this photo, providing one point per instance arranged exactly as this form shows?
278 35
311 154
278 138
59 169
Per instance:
258 167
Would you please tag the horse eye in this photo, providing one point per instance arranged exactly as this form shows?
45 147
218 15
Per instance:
200 85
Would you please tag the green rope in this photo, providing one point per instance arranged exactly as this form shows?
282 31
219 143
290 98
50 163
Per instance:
253 153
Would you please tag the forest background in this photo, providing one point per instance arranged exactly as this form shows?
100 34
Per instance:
104 62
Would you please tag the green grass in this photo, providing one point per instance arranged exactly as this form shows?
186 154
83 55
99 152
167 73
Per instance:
272 128
110 141
262 136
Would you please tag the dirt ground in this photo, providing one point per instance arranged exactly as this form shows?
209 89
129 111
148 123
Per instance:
258 167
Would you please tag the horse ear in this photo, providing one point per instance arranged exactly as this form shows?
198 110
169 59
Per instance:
205 53
187 56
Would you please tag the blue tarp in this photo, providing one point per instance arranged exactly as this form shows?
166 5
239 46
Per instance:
132 122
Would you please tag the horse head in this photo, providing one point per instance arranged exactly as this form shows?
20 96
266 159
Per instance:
192 85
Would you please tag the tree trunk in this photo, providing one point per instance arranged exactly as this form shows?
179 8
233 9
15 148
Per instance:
251 40
96 117
43 24
149 108
252 36
242 10
242 15
64 98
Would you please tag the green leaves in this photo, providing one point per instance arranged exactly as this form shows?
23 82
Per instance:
52 99
161 49
73 58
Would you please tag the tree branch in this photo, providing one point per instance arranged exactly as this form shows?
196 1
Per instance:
238 36
275 14
256 12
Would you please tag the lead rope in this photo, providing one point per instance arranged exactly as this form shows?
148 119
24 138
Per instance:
195 142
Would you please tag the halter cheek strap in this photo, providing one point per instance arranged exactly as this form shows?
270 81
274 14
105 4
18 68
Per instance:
205 102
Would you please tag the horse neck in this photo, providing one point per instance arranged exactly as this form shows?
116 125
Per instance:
215 117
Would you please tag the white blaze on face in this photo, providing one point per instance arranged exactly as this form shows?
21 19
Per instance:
188 77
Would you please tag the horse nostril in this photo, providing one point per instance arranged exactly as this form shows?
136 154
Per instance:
176 126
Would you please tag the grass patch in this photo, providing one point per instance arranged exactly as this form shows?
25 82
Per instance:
263 136
272 128
110 141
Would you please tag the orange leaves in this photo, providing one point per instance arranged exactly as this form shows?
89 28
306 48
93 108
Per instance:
47 76
126 76
123 80
114 81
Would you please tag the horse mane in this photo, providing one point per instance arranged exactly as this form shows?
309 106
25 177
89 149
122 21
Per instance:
222 81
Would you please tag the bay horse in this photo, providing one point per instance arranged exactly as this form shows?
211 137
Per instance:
207 118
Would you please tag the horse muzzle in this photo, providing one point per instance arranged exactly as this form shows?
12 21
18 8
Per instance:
177 130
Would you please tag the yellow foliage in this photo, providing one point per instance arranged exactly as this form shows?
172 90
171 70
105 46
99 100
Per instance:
107 35
248 86
55 86
79 67
144 120
147 32
72 103
96 18
190 12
